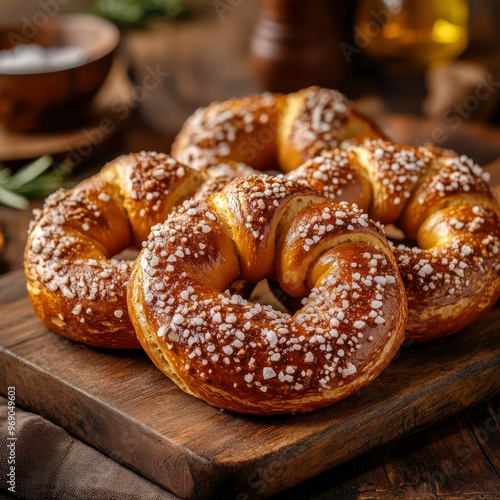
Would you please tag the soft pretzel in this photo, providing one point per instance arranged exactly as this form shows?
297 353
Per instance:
440 200
75 285
271 130
249 358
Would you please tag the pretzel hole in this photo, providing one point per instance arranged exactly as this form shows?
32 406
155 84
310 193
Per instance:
394 233
127 254
268 292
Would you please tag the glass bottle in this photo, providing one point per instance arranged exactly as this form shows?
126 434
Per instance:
296 44
411 35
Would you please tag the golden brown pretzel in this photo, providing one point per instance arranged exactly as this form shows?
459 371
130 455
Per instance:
75 285
440 200
250 358
271 130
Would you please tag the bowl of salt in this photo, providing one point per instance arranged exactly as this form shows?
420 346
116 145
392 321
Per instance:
49 76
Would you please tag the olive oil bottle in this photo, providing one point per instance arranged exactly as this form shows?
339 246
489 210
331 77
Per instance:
412 35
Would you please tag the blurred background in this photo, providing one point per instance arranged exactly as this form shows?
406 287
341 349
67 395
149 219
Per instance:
438 59
427 71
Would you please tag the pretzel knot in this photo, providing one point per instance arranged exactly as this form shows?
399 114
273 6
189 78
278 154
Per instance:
249 358
442 202
76 286
271 131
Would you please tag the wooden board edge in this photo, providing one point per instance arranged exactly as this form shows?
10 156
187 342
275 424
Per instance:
283 468
182 471
177 470
185 474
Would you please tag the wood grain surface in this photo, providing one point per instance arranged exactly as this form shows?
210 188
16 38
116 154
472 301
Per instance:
122 405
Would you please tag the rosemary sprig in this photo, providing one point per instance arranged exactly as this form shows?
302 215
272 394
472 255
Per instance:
34 180
12 199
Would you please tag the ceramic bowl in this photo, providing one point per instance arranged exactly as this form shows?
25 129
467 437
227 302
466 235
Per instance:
53 88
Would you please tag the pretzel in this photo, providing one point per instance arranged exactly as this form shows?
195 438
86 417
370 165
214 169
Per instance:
441 201
75 285
249 358
270 130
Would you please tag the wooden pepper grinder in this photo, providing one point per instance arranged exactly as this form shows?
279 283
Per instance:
296 44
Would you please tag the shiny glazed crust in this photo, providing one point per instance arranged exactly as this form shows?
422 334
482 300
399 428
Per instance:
440 200
75 285
250 358
271 131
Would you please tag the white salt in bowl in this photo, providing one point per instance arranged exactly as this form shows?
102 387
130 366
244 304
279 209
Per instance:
50 73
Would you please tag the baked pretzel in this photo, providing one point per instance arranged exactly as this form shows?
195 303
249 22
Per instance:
440 200
250 358
75 285
271 130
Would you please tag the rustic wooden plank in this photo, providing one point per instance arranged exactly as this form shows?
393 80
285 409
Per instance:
485 424
12 286
363 477
18 322
120 404
451 463
444 462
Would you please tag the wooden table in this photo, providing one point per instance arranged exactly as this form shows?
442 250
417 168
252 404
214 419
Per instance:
194 64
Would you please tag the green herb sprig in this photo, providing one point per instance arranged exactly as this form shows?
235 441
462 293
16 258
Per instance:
132 13
35 180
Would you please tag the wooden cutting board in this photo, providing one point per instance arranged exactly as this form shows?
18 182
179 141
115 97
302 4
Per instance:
122 405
